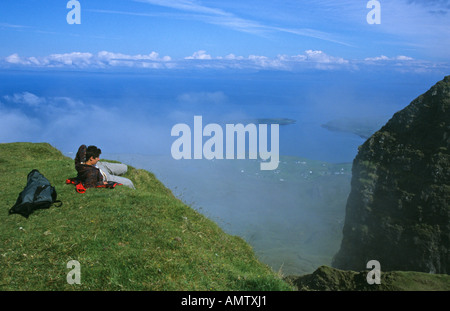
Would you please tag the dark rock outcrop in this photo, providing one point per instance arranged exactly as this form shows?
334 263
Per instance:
398 210
330 279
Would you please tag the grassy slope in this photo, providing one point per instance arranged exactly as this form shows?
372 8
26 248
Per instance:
143 239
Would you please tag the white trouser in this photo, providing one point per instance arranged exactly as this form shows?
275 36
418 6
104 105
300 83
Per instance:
111 170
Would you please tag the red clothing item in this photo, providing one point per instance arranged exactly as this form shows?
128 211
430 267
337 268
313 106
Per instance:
81 189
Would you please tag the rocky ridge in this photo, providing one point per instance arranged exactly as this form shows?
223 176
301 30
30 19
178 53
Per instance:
398 210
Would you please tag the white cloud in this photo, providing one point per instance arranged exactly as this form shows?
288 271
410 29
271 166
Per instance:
199 55
308 60
119 59
26 98
385 58
233 57
401 57
402 63
15 59
75 59
16 126
378 58
29 100
69 122
321 57
102 59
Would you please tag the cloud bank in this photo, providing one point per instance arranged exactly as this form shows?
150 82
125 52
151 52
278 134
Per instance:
102 59
67 123
308 60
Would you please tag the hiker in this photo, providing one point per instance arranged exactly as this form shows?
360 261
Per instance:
93 173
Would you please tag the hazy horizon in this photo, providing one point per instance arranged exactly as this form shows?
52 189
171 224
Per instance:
124 113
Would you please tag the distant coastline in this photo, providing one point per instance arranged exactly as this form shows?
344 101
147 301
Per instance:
280 121
363 127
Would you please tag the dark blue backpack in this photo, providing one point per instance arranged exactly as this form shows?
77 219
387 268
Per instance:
37 194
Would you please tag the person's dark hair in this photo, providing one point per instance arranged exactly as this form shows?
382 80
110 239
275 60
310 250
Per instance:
92 151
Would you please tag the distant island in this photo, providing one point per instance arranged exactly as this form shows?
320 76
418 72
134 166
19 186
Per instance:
280 121
363 127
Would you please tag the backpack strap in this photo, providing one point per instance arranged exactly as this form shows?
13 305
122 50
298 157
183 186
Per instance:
39 190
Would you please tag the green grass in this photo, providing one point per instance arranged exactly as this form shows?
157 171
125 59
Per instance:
143 239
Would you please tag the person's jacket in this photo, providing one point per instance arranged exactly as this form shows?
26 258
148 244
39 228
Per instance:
88 175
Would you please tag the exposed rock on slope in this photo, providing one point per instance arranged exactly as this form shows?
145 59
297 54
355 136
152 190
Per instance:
330 279
399 206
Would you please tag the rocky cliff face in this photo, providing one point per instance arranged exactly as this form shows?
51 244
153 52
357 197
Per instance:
398 210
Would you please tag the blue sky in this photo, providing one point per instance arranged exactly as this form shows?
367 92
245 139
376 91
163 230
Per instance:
281 35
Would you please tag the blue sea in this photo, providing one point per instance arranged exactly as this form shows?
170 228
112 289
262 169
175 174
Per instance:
134 113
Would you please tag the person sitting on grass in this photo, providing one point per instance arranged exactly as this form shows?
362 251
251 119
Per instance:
92 173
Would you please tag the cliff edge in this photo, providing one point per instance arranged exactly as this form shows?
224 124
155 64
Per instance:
399 205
